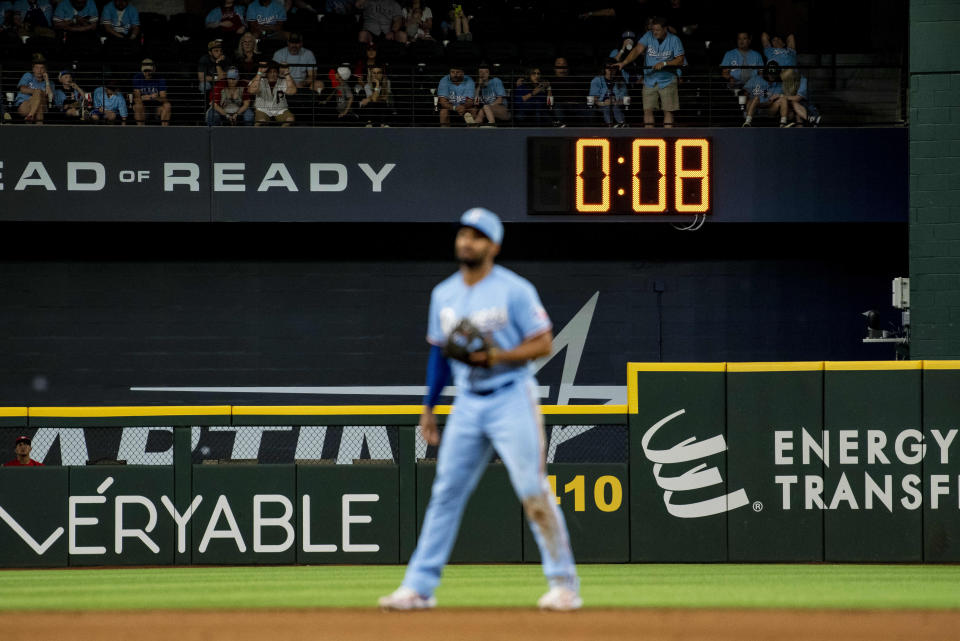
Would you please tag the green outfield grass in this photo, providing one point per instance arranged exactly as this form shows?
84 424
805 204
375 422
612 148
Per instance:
717 586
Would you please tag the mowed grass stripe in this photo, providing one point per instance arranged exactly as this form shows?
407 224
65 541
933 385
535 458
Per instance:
494 586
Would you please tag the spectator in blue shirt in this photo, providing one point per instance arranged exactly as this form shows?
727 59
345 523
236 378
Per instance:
76 16
149 91
455 93
121 20
765 91
530 99
108 105
784 53
664 57
798 103
491 97
736 63
68 97
608 92
266 18
35 92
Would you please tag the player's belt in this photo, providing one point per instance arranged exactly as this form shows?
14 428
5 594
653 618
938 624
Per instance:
488 392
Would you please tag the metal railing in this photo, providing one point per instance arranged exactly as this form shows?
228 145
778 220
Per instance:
845 94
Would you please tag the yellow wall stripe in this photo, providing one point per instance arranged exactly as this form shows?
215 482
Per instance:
794 366
941 364
633 368
13 411
131 411
380 410
847 366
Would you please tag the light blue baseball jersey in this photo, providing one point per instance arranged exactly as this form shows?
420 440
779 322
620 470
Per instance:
657 52
66 13
493 90
602 90
456 94
270 14
502 305
759 87
27 80
120 23
785 56
103 102
734 59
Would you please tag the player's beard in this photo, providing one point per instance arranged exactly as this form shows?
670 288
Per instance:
471 263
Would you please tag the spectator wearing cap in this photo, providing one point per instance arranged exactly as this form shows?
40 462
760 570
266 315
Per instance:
381 18
76 16
22 448
149 91
212 65
765 90
271 86
736 63
108 105
230 104
491 97
628 40
455 93
302 63
608 92
341 93
121 20
266 19
664 55
68 97
227 20
35 92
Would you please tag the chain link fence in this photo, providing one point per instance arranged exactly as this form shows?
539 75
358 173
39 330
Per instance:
854 94
308 444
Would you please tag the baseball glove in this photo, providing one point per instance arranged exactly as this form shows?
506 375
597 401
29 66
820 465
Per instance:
464 340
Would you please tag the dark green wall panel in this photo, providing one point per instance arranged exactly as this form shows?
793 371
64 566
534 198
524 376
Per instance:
941 412
597 511
776 526
860 407
35 499
678 525
490 531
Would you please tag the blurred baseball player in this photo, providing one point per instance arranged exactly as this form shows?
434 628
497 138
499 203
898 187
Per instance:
491 324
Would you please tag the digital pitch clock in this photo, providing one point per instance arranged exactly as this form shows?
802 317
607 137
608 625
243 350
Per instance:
619 175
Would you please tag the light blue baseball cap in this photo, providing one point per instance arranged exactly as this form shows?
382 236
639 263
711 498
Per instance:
484 221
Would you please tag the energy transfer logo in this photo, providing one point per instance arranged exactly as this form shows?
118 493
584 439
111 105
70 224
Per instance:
695 478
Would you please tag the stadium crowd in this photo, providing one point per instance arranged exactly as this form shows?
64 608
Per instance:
377 63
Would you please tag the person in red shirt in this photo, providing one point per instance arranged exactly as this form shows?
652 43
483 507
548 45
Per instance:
22 450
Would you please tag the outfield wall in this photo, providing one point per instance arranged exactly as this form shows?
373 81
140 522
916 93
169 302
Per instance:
744 462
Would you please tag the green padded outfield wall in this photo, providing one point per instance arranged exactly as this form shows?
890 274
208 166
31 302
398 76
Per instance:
677 452
490 531
33 510
941 465
774 411
873 486
595 501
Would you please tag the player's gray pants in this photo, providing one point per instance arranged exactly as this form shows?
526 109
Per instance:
508 420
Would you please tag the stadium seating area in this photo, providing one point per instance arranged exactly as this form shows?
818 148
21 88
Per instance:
852 89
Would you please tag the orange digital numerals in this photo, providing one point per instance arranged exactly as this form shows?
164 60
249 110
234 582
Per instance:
642 202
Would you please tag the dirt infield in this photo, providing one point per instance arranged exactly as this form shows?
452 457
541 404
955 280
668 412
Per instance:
482 625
